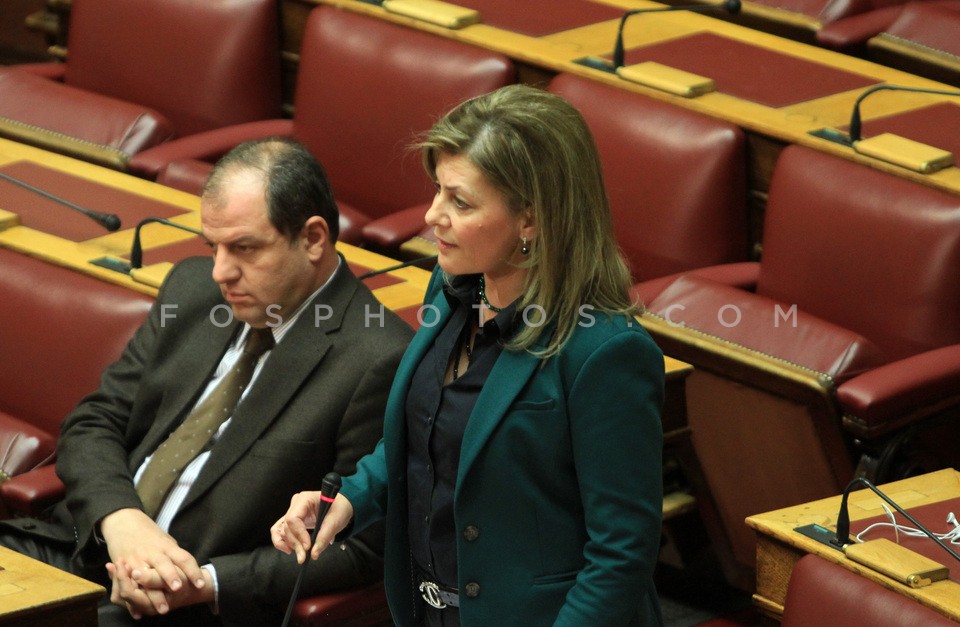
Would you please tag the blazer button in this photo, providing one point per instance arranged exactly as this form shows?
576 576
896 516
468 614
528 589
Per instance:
472 590
471 533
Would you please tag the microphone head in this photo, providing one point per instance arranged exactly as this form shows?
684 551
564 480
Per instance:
732 6
111 222
331 485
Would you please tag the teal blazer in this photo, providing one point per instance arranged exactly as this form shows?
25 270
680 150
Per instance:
559 482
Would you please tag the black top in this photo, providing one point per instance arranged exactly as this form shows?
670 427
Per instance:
437 417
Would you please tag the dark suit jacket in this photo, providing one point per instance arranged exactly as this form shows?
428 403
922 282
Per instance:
316 406
558 498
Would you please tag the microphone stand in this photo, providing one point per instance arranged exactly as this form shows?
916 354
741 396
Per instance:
843 518
329 489
136 250
412 262
109 221
731 6
853 135
854 129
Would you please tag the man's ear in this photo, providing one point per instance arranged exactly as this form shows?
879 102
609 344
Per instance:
316 237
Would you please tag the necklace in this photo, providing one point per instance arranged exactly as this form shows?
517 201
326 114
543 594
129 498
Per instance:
483 297
463 345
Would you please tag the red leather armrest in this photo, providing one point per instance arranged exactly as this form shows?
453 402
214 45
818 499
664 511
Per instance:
205 146
742 275
61 118
23 446
901 392
853 31
32 492
54 71
392 230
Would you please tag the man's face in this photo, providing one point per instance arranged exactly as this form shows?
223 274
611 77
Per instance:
261 274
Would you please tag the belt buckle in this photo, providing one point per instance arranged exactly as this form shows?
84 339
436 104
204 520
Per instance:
431 594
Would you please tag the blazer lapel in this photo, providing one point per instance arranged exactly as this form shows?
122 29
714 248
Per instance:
294 359
507 379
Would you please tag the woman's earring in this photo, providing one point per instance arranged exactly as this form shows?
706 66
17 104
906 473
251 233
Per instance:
524 247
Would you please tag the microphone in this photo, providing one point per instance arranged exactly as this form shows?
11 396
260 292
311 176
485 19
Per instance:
109 221
843 518
412 262
136 250
731 6
329 489
854 129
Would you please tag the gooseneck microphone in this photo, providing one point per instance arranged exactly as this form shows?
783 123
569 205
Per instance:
855 125
730 6
109 221
843 518
136 250
329 489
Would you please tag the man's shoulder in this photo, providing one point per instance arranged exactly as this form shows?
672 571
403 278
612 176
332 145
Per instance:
367 317
190 279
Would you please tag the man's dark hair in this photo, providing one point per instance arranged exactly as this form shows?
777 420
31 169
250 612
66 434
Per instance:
296 185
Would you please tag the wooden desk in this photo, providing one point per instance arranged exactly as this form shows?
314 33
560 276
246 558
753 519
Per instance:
779 546
32 593
114 192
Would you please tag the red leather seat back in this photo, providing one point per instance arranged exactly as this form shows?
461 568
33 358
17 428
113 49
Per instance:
676 179
202 64
366 88
823 593
868 251
58 330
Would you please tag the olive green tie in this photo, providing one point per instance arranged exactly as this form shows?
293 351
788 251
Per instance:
193 435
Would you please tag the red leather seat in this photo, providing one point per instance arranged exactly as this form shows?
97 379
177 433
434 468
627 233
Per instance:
140 72
362 607
823 593
842 351
676 179
58 330
365 88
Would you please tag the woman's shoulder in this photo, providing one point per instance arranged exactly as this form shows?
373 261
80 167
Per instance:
599 330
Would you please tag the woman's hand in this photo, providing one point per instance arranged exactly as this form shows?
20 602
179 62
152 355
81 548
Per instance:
290 533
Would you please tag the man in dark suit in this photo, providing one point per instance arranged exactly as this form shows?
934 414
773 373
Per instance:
201 554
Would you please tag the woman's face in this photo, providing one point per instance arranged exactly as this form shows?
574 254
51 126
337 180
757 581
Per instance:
476 231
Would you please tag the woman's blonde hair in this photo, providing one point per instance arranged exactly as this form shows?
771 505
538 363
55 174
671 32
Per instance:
536 149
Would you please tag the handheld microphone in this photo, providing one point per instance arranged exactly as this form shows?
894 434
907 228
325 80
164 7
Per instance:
136 250
843 518
730 6
329 489
412 262
855 124
109 221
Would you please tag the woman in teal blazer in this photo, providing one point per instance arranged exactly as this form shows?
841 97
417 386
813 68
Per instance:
520 469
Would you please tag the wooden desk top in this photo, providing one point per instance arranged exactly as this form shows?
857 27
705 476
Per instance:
405 289
774 564
29 590
558 52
